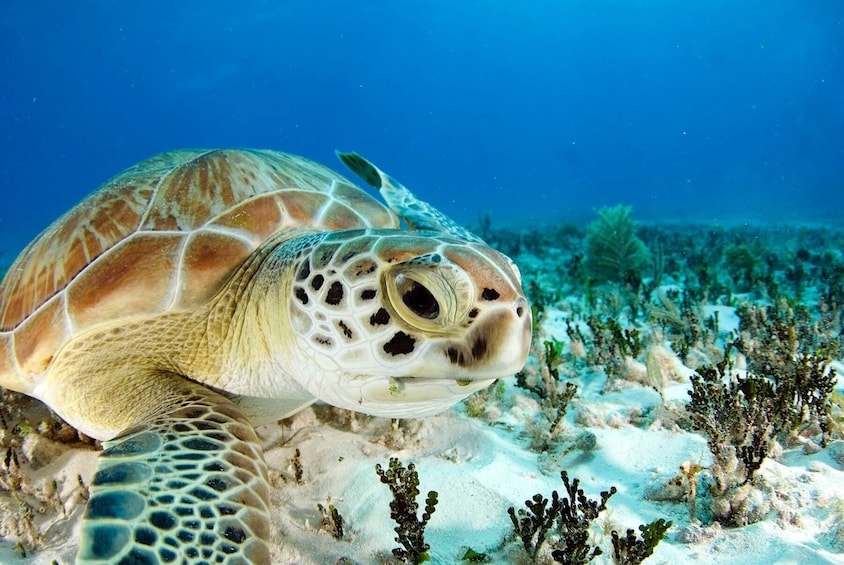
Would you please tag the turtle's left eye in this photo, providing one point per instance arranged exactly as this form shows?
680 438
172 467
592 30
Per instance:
417 298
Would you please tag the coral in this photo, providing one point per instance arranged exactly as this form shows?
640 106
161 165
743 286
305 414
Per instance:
404 484
630 550
613 251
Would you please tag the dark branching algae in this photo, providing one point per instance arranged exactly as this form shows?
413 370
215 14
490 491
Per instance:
564 523
404 484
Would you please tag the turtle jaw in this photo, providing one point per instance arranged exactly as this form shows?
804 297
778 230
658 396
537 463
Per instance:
401 397
417 397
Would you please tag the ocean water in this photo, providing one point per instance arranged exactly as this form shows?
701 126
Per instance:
720 122
705 111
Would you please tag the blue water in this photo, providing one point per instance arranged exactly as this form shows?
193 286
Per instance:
707 111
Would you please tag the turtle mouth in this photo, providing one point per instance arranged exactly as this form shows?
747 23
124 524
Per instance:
438 381
409 396
424 389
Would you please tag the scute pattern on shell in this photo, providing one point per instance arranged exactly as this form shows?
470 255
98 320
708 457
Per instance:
70 244
164 235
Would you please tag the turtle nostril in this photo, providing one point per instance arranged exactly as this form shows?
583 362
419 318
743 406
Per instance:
521 307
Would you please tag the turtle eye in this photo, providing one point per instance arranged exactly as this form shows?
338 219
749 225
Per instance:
433 299
417 298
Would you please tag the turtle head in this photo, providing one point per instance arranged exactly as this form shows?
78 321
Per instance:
404 324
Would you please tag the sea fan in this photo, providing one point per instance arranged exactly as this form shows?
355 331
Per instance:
613 251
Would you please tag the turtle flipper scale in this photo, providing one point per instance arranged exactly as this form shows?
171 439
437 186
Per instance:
418 215
191 487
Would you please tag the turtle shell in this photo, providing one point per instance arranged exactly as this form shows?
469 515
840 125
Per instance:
164 235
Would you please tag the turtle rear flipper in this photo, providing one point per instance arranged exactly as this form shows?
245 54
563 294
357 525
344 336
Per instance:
189 487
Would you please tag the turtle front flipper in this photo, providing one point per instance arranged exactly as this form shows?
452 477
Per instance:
418 215
190 487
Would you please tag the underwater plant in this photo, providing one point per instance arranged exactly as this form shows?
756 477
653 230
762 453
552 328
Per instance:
742 415
611 346
554 396
797 274
566 522
572 515
575 516
532 525
681 321
701 281
742 263
788 386
739 416
832 277
331 520
30 437
484 228
296 468
614 253
481 401
404 484
784 344
631 550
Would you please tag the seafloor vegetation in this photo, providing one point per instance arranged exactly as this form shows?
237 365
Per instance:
745 320
645 305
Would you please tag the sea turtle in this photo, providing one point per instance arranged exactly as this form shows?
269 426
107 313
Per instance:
200 293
